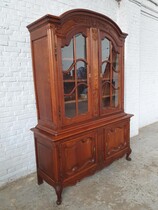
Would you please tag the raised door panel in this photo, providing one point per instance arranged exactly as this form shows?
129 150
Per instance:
78 155
116 139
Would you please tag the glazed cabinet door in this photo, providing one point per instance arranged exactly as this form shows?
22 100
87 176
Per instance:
110 79
75 86
78 155
116 139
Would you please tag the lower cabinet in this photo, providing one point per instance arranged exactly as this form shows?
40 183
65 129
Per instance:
65 161
116 139
78 155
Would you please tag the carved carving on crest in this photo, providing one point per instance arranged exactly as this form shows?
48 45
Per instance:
95 33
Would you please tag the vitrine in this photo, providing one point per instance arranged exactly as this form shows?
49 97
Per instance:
78 68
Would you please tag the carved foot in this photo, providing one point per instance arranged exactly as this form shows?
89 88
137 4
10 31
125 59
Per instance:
128 158
39 180
58 190
58 202
127 155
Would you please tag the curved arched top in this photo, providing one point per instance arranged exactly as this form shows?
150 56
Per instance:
80 16
84 14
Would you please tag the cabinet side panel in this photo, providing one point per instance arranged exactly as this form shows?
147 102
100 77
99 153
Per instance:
46 158
42 79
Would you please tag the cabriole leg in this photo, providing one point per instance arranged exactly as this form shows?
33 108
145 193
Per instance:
58 190
128 154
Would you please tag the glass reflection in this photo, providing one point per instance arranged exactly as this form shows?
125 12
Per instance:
115 80
69 91
80 46
115 98
105 49
67 56
105 94
83 99
81 70
69 96
115 61
106 70
105 58
70 110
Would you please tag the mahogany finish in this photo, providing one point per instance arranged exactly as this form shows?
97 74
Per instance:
78 68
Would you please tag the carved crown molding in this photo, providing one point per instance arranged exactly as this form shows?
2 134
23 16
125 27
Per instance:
86 17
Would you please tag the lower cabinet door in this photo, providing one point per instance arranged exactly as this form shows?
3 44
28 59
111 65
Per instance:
116 139
78 154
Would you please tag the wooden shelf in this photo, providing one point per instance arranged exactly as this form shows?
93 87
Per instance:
74 101
105 79
108 96
73 80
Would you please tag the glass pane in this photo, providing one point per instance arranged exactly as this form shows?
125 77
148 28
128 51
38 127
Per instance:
105 94
67 56
69 91
82 97
70 109
115 98
109 75
82 90
115 61
105 49
69 75
105 58
74 70
81 70
80 46
115 81
106 70
82 87
70 97
83 106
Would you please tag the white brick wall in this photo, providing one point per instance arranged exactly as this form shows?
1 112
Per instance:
129 21
17 102
149 67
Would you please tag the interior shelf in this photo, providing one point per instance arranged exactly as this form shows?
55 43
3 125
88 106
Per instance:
74 101
73 80
108 96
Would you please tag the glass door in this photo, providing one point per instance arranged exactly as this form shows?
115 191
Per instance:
75 78
109 77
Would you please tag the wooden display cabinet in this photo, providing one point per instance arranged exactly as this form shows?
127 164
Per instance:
78 68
